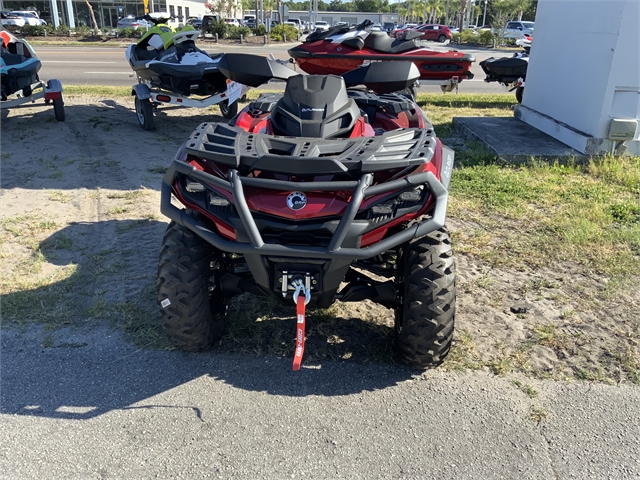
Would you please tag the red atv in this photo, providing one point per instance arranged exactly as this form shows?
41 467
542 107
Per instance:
330 182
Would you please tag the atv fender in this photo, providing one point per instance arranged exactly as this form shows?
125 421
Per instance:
141 91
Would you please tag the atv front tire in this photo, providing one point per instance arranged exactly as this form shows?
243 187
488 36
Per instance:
192 308
519 94
228 111
144 112
426 282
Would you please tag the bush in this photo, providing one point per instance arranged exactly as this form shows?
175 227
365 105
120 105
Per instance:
467 36
83 30
485 37
62 30
261 30
289 30
455 37
219 27
234 32
33 30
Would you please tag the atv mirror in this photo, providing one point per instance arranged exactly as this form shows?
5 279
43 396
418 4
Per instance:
252 70
382 78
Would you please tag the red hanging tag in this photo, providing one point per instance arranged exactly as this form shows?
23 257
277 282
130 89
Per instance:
300 323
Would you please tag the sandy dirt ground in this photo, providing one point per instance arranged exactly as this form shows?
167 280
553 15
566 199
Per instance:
81 232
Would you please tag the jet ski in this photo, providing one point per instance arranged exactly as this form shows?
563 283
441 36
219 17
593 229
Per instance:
19 67
21 86
508 71
341 49
170 60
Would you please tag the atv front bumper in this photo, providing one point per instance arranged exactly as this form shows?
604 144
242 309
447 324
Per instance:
274 265
256 245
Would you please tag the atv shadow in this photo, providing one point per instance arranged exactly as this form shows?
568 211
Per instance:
100 144
83 337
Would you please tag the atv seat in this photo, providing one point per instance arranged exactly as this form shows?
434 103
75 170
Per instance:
382 42
315 106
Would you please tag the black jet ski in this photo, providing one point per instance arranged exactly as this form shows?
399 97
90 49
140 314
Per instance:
170 60
508 71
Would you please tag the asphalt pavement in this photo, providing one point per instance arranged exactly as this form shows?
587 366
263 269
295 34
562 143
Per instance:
97 407
97 65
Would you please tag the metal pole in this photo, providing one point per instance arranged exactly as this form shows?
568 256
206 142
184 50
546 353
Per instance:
484 16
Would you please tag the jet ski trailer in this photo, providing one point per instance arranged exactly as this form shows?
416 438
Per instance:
21 85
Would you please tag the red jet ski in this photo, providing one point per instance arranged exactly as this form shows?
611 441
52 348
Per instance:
342 49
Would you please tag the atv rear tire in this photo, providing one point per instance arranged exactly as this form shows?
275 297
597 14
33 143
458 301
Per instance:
228 111
194 315
144 112
425 320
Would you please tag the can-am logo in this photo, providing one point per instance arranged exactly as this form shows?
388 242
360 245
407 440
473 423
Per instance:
312 110
296 201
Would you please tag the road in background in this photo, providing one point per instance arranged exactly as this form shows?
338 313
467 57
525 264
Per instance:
75 65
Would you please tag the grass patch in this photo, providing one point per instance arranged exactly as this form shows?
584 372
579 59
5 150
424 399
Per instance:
526 388
26 300
130 195
58 196
537 414
538 214
159 169
97 90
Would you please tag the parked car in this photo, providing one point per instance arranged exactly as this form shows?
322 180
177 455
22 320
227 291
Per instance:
389 26
376 27
296 22
436 33
322 25
9 20
453 29
406 26
195 22
131 22
30 17
518 29
233 21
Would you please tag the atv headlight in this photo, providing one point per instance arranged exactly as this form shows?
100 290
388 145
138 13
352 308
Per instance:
414 195
383 208
192 186
218 201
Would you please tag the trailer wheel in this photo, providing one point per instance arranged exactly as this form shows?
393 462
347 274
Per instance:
58 109
519 93
144 111
228 111
426 284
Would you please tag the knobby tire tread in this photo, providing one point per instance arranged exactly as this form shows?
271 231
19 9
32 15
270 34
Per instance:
183 278
429 295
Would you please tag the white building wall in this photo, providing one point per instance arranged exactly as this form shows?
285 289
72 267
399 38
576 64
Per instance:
584 70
